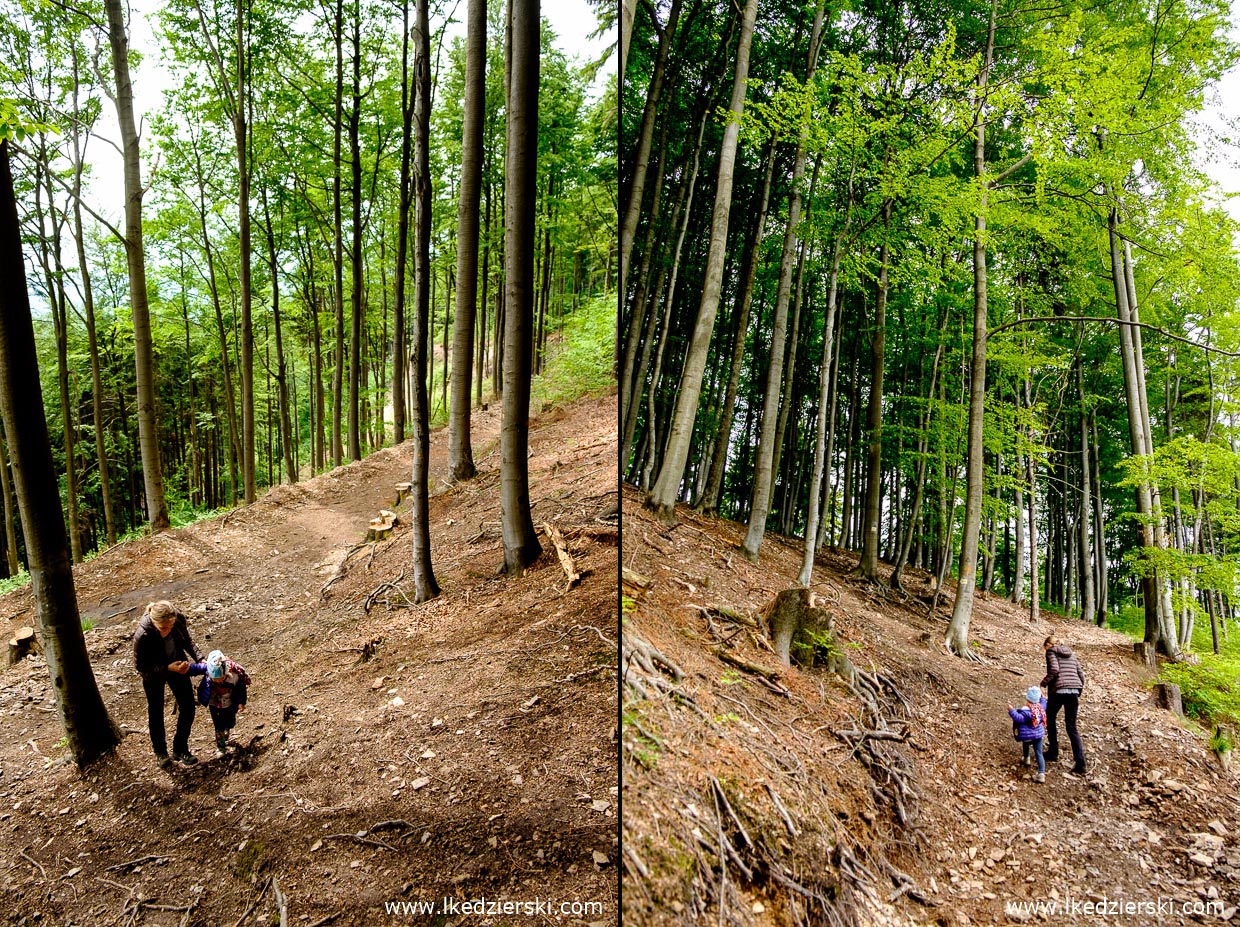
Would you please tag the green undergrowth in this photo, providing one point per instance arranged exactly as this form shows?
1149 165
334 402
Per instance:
580 355
1209 689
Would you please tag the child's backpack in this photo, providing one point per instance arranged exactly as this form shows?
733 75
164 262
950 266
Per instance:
1037 718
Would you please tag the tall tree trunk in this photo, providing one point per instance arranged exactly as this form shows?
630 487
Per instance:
249 473
1100 545
88 728
667 487
645 139
460 452
709 502
424 584
1088 600
402 234
10 518
919 484
521 545
338 255
88 300
957 638
868 566
144 355
286 423
764 474
355 155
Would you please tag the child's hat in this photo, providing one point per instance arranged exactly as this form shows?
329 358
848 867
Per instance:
217 666
1033 693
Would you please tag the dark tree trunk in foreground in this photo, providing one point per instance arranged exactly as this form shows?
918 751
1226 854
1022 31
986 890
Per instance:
88 727
355 336
521 545
143 353
460 453
424 585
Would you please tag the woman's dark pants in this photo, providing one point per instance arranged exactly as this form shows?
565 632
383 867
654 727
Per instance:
183 692
1069 704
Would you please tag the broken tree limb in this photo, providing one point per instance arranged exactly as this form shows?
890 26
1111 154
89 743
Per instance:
561 550
745 665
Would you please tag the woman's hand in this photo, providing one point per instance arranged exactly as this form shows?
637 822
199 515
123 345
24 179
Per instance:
181 666
241 707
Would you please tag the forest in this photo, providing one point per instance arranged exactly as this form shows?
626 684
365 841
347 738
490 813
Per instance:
342 226
284 185
949 285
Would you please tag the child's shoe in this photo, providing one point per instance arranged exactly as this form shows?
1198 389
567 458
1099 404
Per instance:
221 745
1039 777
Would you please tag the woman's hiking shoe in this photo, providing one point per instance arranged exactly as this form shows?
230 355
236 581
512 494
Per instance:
163 760
184 756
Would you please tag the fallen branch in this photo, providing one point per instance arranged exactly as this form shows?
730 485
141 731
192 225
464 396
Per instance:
745 665
34 862
281 901
561 550
361 839
783 812
253 904
120 867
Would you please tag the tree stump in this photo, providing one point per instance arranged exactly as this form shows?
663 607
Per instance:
23 643
1167 695
402 492
381 526
797 625
1223 743
1144 653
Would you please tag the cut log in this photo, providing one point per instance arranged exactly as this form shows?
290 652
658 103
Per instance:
1167 695
561 550
402 492
22 644
1144 653
634 583
1223 743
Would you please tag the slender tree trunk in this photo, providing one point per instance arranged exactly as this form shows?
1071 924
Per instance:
10 518
709 503
88 728
460 452
338 255
402 233
919 484
425 586
144 357
957 638
1100 545
760 503
355 156
645 138
667 487
868 566
521 545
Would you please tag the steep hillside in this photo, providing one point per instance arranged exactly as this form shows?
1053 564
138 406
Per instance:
891 794
464 748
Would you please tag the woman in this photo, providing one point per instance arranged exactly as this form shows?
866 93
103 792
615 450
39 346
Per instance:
162 649
1063 682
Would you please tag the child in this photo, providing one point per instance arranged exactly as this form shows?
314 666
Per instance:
224 690
1029 727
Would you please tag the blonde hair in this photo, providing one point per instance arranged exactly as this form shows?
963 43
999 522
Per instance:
1050 641
162 612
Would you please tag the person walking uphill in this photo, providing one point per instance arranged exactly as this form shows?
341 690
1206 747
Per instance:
162 650
1064 682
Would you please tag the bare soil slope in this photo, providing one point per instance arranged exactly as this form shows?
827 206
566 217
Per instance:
463 748
811 789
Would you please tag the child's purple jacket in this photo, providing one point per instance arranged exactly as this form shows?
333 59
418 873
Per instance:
1023 717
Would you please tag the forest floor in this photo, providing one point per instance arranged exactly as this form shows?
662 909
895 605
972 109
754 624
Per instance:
464 748
809 818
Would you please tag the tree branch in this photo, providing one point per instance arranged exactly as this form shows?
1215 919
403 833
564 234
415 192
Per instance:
1113 321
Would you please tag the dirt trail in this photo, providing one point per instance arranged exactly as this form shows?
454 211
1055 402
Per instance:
463 748
1155 821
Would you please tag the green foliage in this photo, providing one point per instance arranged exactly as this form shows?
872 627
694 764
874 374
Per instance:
580 355
14 582
1210 690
